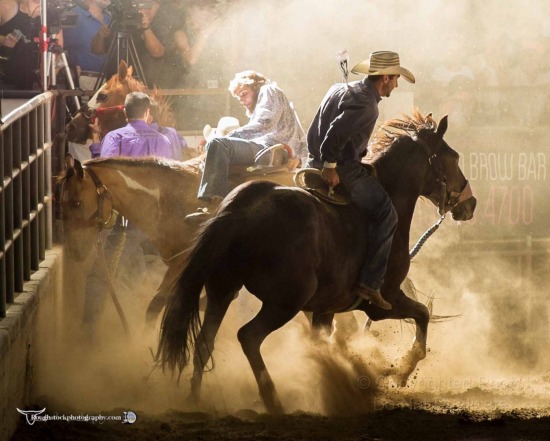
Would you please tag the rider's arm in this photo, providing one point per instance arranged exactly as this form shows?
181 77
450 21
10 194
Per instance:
267 113
351 126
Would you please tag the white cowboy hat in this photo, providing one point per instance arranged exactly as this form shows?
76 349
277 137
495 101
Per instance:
383 63
226 125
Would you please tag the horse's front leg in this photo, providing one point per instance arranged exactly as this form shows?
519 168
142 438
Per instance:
403 308
420 314
321 325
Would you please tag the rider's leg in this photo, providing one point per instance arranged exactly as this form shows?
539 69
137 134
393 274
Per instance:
370 197
220 154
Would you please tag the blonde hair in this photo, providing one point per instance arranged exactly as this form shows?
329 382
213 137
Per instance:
249 78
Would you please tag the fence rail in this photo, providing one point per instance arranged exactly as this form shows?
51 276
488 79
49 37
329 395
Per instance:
25 193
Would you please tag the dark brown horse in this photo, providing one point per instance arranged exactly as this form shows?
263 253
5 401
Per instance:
295 253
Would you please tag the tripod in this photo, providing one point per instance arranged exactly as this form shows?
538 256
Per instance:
50 68
122 46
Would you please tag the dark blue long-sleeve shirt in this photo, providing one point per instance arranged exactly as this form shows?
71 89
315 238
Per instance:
343 125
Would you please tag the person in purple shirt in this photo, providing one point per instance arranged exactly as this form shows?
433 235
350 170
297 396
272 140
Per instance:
136 139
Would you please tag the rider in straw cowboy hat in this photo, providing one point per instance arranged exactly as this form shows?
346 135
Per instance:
337 141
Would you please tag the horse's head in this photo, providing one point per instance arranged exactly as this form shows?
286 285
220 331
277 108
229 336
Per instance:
78 129
107 105
110 101
449 190
86 208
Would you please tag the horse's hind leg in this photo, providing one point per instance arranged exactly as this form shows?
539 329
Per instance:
251 336
216 308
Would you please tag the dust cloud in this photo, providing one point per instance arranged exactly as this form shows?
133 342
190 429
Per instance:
492 355
295 43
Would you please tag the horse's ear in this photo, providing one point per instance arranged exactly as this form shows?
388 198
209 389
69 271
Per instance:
442 126
78 169
130 72
122 70
155 93
69 161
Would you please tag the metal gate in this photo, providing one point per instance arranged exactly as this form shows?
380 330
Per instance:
25 193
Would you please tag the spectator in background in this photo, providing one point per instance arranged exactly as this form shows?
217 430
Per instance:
20 54
456 81
153 38
201 21
78 37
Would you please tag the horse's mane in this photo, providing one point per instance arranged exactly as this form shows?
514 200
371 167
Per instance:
397 129
165 114
187 167
190 168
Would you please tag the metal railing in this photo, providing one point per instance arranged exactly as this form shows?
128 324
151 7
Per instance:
25 193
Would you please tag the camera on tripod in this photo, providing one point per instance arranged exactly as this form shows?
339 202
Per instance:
126 13
60 16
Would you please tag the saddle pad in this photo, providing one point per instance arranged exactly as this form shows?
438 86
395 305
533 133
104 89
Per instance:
309 179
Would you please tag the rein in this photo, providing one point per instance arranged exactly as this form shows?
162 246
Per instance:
102 194
101 111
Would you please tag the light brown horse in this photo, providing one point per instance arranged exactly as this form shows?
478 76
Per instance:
155 195
107 105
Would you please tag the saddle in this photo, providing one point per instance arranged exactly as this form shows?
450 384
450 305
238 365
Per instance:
309 179
275 159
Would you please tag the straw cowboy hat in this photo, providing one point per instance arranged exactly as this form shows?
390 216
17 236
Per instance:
226 125
383 63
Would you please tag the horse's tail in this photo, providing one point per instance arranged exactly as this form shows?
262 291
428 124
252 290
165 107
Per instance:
181 322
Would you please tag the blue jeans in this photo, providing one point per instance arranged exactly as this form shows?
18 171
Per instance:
367 194
220 154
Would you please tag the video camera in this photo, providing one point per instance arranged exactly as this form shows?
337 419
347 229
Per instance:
126 13
59 15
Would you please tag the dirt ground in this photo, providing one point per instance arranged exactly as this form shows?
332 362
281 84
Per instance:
486 376
433 422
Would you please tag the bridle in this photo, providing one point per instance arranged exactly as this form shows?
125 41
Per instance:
104 111
103 194
446 199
